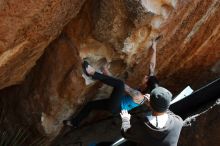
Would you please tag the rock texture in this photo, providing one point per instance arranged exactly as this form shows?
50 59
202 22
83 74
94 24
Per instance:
27 28
198 24
42 69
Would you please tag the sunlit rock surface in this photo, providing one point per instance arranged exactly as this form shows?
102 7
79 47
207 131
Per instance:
118 32
26 29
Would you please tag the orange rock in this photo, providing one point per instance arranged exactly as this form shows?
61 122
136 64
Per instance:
26 29
117 32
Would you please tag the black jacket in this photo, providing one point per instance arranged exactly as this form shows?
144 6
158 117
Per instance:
143 133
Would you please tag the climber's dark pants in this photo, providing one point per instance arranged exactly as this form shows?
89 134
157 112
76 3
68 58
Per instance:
112 104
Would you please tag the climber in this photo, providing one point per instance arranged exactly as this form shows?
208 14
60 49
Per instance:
158 126
150 81
117 101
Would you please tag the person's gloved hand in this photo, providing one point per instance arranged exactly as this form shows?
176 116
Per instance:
125 116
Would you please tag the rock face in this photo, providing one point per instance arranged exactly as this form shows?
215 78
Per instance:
27 28
118 32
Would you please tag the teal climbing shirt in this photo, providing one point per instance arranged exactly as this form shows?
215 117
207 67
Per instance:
127 103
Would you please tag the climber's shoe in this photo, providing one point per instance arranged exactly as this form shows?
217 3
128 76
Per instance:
85 64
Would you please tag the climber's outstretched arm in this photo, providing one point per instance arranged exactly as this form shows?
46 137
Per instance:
153 59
